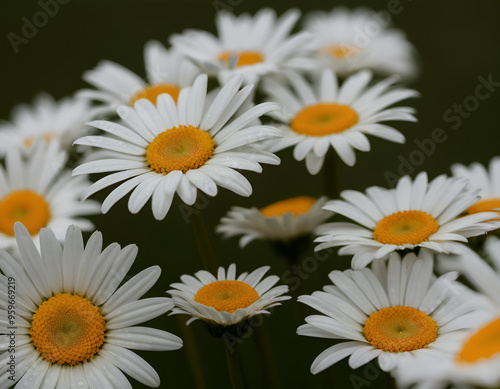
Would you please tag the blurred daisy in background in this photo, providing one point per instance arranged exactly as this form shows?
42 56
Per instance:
250 45
415 214
319 115
63 120
282 221
347 41
39 192
167 72
394 312
183 147
74 326
227 300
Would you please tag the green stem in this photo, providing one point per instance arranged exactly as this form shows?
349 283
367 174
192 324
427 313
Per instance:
269 368
234 366
189 345
202 240
330 176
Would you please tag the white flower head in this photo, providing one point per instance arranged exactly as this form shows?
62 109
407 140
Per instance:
250 45
180 148
63 120
74 325
415 214
395 312
38 191
321 115
348 41
167 72
282 221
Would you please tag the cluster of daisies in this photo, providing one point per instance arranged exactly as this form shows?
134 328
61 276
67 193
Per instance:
321 91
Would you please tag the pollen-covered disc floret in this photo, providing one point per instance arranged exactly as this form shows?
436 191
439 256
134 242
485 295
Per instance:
417 213
324 119
179 148
152 92
226 299
482 344
394 312
284 220
67 329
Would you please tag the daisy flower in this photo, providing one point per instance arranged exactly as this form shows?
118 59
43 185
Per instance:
181 147
487 181
226 300
167 72
317 116
36 190
282 221
250 45
394 312
348 41
47 118
73 325
415 214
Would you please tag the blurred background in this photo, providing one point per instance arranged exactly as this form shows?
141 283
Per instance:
458 42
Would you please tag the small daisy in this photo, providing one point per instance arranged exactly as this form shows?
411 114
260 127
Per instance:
226 300
487 181
167 72
47 118
415 214
394 312
250 45
321 115
281 221
73 325
181 147
37 191
348 41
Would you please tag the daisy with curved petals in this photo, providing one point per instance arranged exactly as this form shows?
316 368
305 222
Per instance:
63 120
250 45
415 214
394 312
226 300
37 191
167 72
181 147
348 41
282 221
74 326
317 116
487 181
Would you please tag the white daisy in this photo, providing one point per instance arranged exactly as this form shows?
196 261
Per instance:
348 41
180 147
321 115
39 192
394 312
415 214
281 221
226 300
250 45
47 118
167 72
487 181
72 325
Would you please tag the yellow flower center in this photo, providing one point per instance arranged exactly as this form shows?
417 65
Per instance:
484 205
296 205
67 329
341 51
244 57
23 206
324 119
227 295
400 329
484 344
48 136
412 227
179 148
153 91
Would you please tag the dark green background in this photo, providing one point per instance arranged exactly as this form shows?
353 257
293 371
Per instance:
458 41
